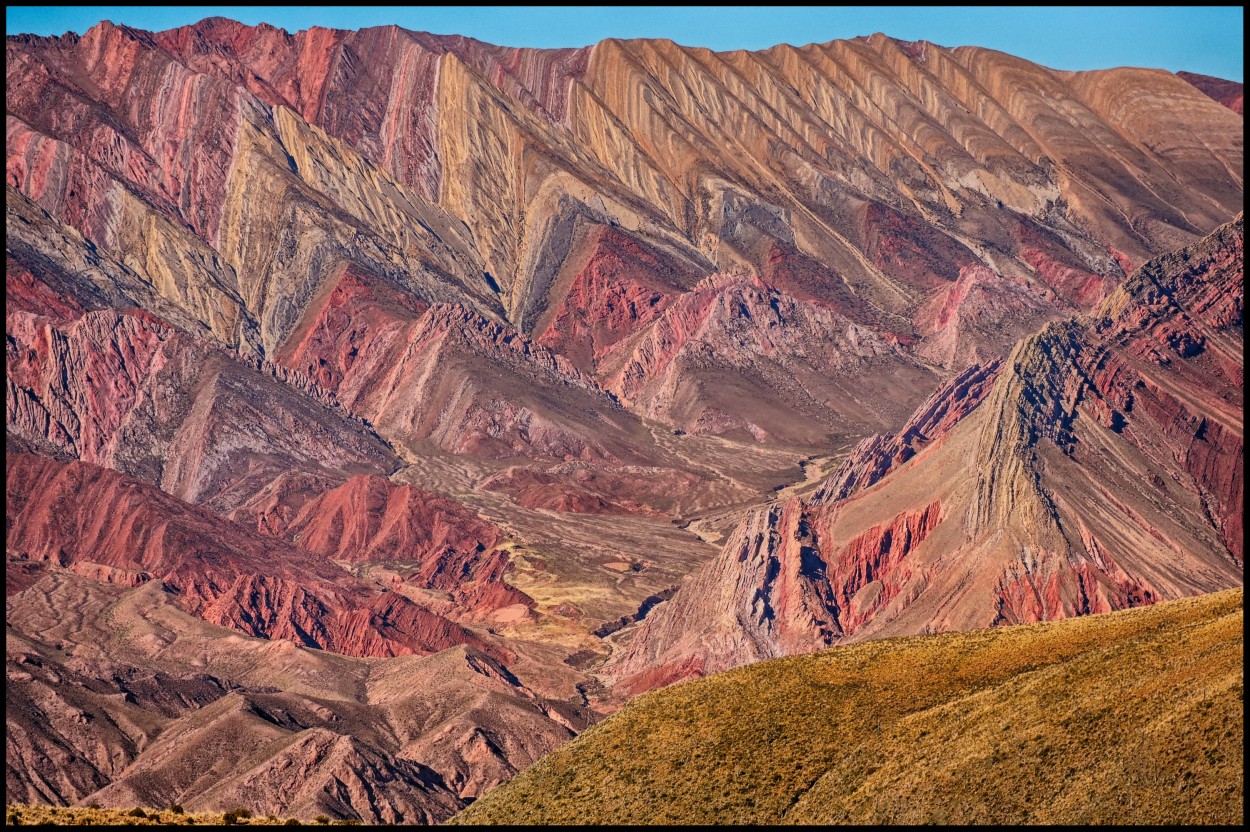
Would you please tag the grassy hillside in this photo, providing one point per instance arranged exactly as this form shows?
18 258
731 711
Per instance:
1132 717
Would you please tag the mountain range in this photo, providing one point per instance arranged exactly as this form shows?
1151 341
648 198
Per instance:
383 408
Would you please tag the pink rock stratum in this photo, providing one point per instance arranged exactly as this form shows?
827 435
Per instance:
384 408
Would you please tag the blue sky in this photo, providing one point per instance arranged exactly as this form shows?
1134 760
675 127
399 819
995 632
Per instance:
1208 39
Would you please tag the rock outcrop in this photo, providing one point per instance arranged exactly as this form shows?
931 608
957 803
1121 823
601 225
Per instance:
128 391
374 740
452 379
95 522
936 198
439 543
1099 467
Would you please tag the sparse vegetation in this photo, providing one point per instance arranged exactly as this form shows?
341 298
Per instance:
1132 717
22 815
235 815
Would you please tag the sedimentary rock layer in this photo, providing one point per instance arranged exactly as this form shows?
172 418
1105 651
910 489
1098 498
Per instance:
94 522
948 201
386 343
1101 467
125 716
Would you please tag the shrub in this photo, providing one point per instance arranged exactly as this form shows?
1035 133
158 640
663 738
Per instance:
321 819
137 813
292 822
176 808
235 815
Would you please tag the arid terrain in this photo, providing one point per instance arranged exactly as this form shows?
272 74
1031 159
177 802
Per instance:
1130 717
384 409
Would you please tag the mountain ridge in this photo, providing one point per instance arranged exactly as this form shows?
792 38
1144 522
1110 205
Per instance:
405 351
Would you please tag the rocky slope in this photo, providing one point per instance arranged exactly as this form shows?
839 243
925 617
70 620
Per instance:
953 199
1100 467
386 343
168 709
215 569
128 391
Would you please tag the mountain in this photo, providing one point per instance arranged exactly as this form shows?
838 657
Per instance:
399 349
1229 93
118 696
1099 466
1129 717
948 200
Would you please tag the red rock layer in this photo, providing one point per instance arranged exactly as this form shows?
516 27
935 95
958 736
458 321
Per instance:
1229 93
127 127
127 390
370 519
451 378
355 318
903 247
1099 467
27 293
76 515
1055 267
877 556
1023 596
623 286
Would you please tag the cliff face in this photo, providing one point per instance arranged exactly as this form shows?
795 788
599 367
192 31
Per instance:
1100 467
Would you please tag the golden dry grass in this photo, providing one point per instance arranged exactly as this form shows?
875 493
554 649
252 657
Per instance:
22 815
1132 717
